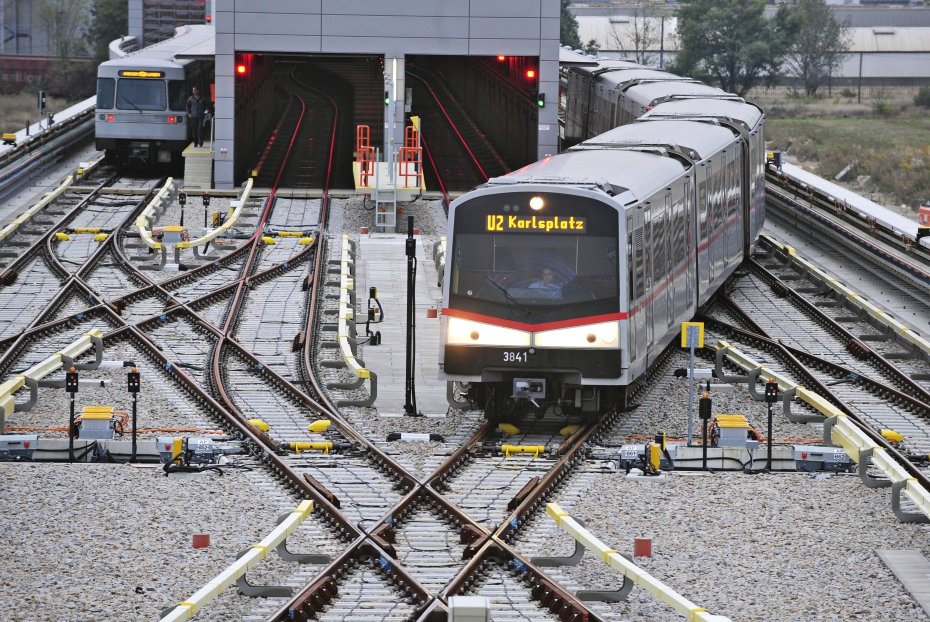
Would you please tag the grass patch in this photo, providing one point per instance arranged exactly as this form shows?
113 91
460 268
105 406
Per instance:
894 153
16 110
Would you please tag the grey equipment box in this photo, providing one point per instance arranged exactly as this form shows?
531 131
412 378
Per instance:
811 458
200 449
632 454
18 446
469 609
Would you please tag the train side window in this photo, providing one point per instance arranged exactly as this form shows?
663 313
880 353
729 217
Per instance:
679 232
177 95
106 89
689 202
702 207
737 194
658 245
719 208
639 260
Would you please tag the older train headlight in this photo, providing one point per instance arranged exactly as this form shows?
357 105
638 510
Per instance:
468 333
603 335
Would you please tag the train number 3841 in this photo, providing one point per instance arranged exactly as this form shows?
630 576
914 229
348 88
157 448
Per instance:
515 357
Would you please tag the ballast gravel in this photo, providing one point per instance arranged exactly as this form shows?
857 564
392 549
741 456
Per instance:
752 548
114 542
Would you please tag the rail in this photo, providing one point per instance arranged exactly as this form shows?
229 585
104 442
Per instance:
235 572
853 300
628 569
345 325
38 371
841 431
28 215
30 148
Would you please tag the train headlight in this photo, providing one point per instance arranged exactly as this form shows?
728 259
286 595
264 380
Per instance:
466 332
603 335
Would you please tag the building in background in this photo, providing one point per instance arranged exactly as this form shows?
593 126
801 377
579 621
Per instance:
151 21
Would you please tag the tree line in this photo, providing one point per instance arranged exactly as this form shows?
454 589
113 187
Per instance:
733 44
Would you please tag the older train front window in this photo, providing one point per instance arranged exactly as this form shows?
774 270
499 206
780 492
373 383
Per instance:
535 257
141 94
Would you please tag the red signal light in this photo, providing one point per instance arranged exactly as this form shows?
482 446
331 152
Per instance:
501 58
171 119
530 74
240 69
209 18
110 117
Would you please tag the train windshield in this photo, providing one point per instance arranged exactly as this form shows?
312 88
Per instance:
141 94
106 88
513 262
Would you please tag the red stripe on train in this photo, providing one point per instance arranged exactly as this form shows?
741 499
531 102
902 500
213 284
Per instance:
496 321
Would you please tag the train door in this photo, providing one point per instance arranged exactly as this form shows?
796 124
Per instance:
688 218
638 279
670 232
702 228
718 238
648 271
631 280
585 112
709 219
734 211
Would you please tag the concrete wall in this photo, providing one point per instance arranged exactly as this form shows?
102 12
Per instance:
389 28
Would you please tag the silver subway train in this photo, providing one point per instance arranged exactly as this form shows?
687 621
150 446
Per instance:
567 278
142 97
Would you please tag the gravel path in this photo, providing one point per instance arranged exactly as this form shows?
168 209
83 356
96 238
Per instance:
785 547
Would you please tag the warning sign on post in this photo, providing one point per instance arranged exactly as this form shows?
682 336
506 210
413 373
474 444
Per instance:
692 330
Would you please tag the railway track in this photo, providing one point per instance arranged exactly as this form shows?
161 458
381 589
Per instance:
219 339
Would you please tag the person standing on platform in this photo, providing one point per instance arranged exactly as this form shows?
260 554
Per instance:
195 110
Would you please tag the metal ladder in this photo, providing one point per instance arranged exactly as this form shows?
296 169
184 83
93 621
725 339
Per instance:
385 201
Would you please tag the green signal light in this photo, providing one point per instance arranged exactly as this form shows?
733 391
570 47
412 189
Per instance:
541 100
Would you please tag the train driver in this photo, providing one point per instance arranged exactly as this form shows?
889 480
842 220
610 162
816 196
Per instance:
548 284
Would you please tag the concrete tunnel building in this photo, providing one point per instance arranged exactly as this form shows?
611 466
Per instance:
454 36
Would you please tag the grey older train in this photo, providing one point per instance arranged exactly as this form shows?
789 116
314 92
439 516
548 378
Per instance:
142 97
567 278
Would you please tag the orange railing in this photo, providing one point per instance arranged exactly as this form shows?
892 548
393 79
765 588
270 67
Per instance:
410 158
364 154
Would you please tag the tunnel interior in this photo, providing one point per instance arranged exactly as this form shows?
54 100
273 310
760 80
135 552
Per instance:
479 116
276 94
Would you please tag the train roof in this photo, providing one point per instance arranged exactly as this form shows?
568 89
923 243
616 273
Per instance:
686 136
632 175
650 92
602 66
624 76
188 43
746 113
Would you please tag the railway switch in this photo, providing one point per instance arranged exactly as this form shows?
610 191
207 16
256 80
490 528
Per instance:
18 446
812 459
